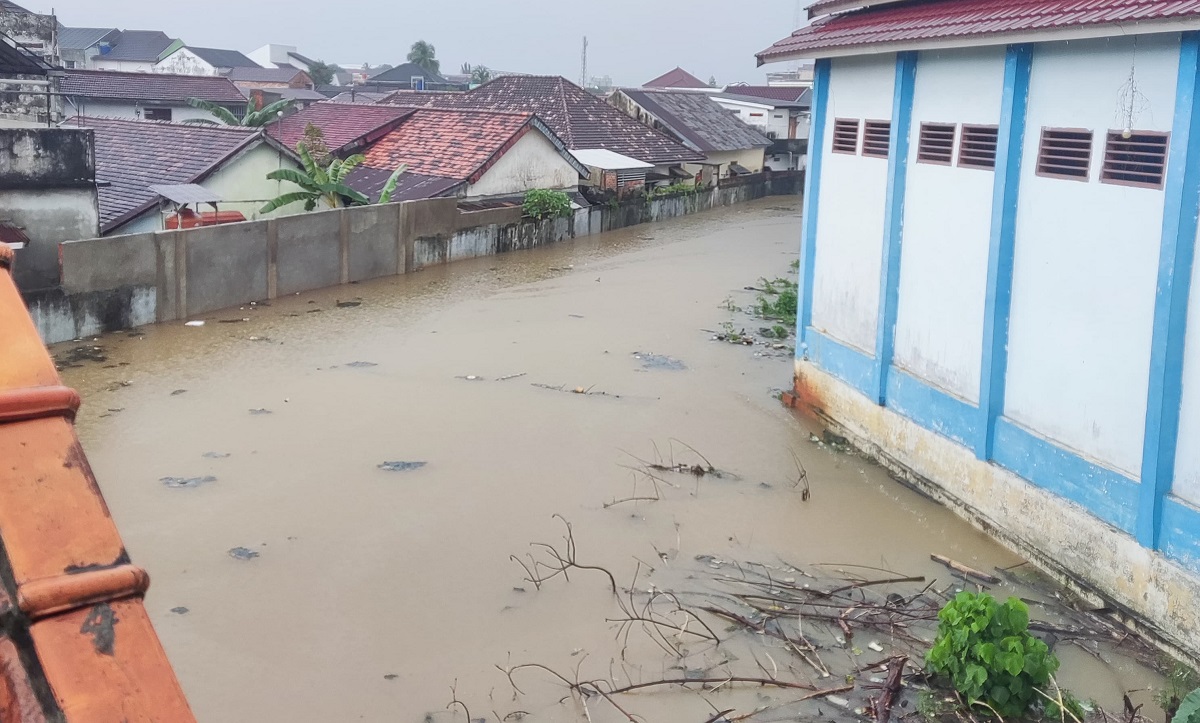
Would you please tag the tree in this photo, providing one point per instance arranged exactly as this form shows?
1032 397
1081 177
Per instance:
322 73
253 119
425 55
318 184
480 74
465 69
314 142
712 81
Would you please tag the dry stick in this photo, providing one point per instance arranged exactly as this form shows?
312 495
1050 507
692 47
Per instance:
891 688
766 682
456 702
720 715
968 571
858 585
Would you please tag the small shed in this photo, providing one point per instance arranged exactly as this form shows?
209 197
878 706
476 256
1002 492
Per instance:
611 171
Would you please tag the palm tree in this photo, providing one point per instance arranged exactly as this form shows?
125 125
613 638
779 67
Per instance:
480 74
253 119
425 55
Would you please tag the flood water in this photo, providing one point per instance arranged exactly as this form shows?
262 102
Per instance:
361 593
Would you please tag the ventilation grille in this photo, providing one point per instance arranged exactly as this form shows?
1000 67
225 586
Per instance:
936 144
1065 153
877 138
978 146
845 136
1139 160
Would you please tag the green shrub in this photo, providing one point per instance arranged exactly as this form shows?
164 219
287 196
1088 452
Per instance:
986 651
1189 709
542 203
674 188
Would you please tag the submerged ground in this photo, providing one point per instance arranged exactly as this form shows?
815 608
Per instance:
296 580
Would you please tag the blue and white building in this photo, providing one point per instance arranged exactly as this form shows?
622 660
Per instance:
997 287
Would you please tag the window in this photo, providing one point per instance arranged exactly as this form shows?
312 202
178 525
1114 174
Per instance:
1139 160
978 147
877 138
845 136
1065 153
936 143
158 114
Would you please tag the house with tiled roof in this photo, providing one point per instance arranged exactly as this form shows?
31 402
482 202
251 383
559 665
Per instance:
781 113
346 128
149 96
248 78
678 79
472 154
132 155
410 76
730 147
998 283
191 60
579 118
78 46
135 51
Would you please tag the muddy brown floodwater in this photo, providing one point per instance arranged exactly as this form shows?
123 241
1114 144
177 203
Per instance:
296 580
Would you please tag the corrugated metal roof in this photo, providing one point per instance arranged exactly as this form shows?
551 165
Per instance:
923 20
84 38
145 46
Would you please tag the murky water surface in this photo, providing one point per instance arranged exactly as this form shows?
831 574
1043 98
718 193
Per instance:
327 490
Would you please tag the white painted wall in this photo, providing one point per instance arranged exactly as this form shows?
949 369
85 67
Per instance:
532 162
185 62
1086 263
126 66
1187 456
947 222
110 109
849 248
243 182
268 56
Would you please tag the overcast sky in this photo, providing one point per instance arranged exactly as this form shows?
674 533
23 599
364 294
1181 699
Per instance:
630 40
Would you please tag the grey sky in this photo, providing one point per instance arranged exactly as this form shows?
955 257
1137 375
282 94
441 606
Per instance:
631 40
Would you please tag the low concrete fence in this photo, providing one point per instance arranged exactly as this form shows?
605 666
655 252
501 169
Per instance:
126 281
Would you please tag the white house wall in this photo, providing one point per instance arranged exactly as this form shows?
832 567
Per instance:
184 62
1086 267
1187 459
125 66
850 217
179 113
947 222
532 162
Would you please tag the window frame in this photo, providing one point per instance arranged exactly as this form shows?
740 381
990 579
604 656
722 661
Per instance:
1087 177
1108 139
867 123
921 135
962 143
858 126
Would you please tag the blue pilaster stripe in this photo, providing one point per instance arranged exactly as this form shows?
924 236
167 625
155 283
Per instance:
1018 64
893 220
812 193
1181 207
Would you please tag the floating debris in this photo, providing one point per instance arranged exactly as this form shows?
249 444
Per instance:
472 378
193 323
348 304
658 361
261 410
361 364
177 392
215 455
242 553
510 376
181 610
233 321
390 676
178 482
401 466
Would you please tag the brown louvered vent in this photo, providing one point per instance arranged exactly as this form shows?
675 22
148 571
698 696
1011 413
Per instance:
978 147
1139 160
1065 153
936 144
877 138
845 136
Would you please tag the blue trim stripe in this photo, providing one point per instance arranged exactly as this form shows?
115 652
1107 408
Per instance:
852 366
1018 66
1181 207
1181 532
812 196
893 220
932 408
1109 495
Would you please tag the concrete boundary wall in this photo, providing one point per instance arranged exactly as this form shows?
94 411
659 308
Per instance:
121 282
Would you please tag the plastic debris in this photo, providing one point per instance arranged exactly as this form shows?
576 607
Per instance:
178 482
401 466
181 610
194 323
242 553
261 410
361 364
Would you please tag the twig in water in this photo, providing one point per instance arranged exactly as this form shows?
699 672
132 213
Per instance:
454 701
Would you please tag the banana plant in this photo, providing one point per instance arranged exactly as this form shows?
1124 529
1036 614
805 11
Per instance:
389 188
253 119
318 184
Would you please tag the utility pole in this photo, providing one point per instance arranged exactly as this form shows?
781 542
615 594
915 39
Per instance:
583 65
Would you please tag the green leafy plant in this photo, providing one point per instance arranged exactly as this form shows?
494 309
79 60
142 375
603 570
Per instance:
674 189
542 203
985 650
1179 682
318 184
1189 709
322 73
253 119
779 331
389 188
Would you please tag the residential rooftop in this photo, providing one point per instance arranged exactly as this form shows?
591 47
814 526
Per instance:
677 78
145 46
264 75
149 86
222 58
790 94
344 125
699 120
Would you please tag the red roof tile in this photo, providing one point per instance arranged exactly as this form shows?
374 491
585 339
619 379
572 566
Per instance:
915 21
825 7
787 94
459 144
579 118
678 78
150 86
344 124
132 155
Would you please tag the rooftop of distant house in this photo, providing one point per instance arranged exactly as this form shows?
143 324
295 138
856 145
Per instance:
780 96
580 119
132 155
343 125
255 74
116 85
139 46
222 58
84 38
405 72
701 122
847 27
677 78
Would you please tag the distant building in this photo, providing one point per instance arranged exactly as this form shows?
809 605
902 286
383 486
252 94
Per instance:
136 51
678 79
78 46
270 78
28 87
36 33
231 161
148 96
781 113
47 195
730 147
801 76
189 60
286 56
410 76
614 172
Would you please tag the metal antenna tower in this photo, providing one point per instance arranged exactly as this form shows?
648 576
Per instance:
583 65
